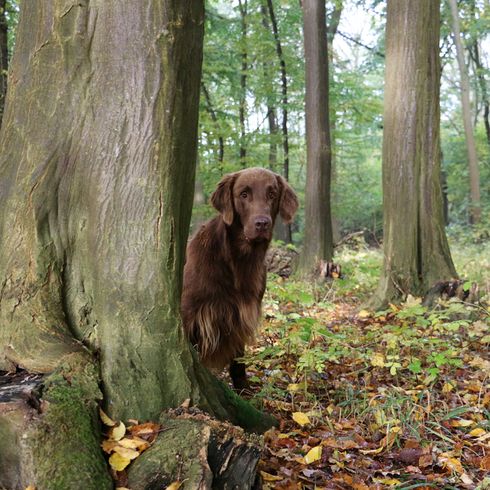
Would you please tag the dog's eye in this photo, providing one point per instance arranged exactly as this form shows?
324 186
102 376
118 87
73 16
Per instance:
271 195
244 195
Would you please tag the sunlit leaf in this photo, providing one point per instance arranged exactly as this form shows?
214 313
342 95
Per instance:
462 423
117 432
301 418
378 359
313 455
126 452
106 420
118 462
477 432
174 486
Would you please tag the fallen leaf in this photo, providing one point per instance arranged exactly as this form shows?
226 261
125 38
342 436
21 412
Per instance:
108 446
485 462
268 477
175 485
118 462
134 443
125 452
462 423
313 455
106 420
452 464
364 314
477 432
301 418
117 432
378 360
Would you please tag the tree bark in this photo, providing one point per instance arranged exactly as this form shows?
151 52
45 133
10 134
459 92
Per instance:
242 109
214 118
97 163
416 252
282 231
475 206
318 242
4 64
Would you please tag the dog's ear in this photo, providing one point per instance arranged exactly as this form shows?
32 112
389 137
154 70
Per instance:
288 203
222 198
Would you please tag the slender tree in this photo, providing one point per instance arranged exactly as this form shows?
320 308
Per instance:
97 160
242 108
318 243
3 54
282 231
468 126
416 252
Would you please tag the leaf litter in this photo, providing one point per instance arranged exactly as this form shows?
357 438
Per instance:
371 400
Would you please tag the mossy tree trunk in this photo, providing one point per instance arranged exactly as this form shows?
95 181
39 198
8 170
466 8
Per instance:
318 241
97 162
416 252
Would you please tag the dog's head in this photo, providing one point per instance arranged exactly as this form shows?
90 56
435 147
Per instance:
253 197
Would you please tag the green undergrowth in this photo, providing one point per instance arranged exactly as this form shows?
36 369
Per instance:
406 375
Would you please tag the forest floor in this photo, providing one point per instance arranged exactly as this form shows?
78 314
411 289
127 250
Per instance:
371 400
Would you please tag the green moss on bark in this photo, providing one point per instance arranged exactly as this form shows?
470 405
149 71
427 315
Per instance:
64 443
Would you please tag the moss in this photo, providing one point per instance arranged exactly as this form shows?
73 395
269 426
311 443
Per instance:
65 443
179 454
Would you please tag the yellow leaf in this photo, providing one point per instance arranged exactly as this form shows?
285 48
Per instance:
175 485
117 432
106 420
313 455
301 418
31 487
477 432
452 464
378 359
364 314
134 443
294 387
371 451
268 477
125 452
447 388
118 462
462 423
387 481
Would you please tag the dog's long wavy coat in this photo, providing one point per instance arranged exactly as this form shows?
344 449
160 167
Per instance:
224 274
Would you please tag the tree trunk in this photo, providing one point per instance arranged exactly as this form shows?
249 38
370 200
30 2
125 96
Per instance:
480 74
416 252
475 206
318 242
282 231
97 163
242 110
214 118
4 64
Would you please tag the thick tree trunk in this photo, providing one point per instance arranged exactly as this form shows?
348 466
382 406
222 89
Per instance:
475 206
97 162
416 253
318 243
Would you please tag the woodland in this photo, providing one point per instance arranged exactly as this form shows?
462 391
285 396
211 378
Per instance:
371 367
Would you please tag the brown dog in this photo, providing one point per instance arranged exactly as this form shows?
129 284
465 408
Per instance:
224 275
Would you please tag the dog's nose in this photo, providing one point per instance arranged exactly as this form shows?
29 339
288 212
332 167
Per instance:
262 223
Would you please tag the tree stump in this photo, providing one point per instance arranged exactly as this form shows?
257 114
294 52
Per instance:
199 451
